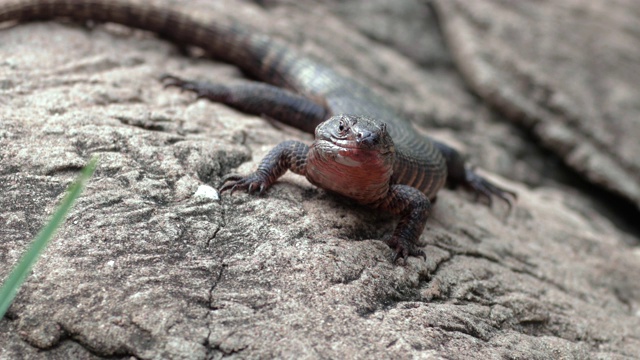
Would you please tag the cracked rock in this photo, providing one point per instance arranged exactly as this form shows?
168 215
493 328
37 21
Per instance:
151 264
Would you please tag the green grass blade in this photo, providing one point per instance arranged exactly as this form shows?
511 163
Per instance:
19 274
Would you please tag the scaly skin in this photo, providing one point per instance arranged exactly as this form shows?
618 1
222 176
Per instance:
373 155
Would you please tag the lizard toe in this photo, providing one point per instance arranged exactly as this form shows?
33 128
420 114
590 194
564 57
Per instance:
404 249
169 80
252 183
486 189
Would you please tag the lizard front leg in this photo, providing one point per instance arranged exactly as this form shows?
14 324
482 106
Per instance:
258 99
288 155
414 208
262 99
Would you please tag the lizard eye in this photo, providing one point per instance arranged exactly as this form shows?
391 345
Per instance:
342 126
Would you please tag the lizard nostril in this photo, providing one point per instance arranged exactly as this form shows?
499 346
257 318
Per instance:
367 137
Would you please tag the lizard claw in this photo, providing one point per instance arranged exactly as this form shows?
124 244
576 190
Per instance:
203 90
404 249
483 187
251 183
169 80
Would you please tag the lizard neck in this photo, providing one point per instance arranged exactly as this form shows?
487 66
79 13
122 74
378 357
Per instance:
361 175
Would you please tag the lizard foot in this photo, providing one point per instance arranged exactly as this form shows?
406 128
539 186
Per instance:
483 187
404 248
251 183
174 81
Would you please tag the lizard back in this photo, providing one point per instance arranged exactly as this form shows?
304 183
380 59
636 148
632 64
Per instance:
419 162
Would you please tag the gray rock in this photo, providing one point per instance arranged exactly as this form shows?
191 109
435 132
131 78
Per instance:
566 70
151 265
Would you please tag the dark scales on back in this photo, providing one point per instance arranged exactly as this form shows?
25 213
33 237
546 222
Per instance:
362 150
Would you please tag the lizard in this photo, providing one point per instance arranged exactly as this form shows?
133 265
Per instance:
363 149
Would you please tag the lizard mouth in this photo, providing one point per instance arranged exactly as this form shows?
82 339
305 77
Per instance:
348 144
350 153
356 146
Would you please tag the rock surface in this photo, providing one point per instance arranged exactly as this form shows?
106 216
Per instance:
566 70
152 264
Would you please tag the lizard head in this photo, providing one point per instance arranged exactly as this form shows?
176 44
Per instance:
358 133
353 156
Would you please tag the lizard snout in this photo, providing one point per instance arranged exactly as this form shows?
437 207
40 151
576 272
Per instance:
367 138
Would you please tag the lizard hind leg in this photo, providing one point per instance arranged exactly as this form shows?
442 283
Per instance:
483 187
257 98
460 173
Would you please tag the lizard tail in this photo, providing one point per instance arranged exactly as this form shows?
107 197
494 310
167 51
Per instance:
257 55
